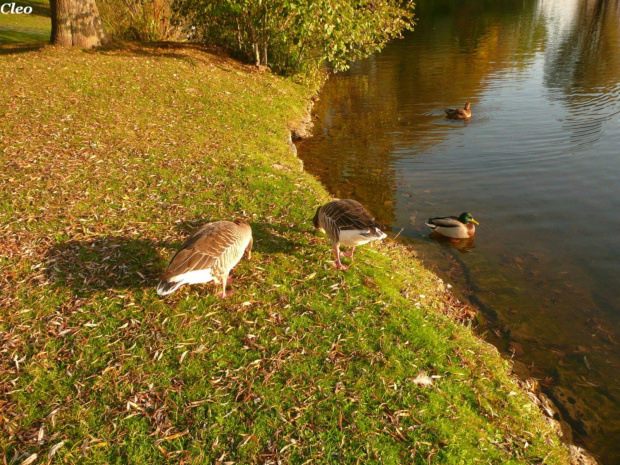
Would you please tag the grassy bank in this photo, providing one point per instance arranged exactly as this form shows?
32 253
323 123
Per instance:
109 159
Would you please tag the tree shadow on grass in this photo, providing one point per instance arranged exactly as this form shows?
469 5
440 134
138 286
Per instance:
119 263
187 52
20 47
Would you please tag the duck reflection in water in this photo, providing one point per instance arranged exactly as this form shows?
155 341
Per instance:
462 245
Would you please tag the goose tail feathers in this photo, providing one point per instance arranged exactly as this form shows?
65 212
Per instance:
168 287
380 234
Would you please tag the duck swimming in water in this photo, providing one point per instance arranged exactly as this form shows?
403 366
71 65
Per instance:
461 227
459 113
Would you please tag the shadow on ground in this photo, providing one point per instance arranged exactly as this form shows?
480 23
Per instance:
188 52
117 262
16 48
105 263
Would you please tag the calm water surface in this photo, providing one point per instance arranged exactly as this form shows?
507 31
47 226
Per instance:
538 165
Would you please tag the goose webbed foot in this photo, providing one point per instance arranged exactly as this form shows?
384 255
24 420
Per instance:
224 293
337 263
339 266
349 254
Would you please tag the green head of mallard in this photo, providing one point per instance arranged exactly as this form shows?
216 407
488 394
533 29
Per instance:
467 218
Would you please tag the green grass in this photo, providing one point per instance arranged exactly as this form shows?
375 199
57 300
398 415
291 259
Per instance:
22 28
110 159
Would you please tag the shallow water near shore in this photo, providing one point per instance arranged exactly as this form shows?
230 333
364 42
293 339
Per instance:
538 166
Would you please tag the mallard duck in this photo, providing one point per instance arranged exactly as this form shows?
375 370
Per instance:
348 223
453 227
208 255
459 113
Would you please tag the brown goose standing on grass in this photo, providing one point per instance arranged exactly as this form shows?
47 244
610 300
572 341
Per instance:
348 223
208 255
459 113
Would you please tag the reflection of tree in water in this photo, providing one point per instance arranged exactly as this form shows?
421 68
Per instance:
387 107
583 70
354 159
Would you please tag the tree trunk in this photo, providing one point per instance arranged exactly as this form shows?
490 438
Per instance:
239 41
76 23
256 54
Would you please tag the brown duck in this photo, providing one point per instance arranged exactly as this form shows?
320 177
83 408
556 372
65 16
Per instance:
348 223
459 113
208 255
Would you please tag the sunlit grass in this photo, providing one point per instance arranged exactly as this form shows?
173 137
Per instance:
110 159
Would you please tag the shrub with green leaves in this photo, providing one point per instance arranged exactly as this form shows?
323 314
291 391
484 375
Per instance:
298 35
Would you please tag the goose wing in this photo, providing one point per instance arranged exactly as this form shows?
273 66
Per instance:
214 245
347 215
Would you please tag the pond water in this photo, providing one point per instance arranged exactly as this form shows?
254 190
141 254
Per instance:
538 165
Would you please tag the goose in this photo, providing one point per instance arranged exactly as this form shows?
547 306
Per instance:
459 113
461 227
207 255
348 223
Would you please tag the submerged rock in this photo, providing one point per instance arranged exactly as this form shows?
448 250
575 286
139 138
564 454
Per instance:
522 332
578 414
562 429
516 348
554 418
549 407
581 456
520 369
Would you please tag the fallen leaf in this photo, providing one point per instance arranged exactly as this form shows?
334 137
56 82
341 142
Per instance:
54 449
30 459
422 380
